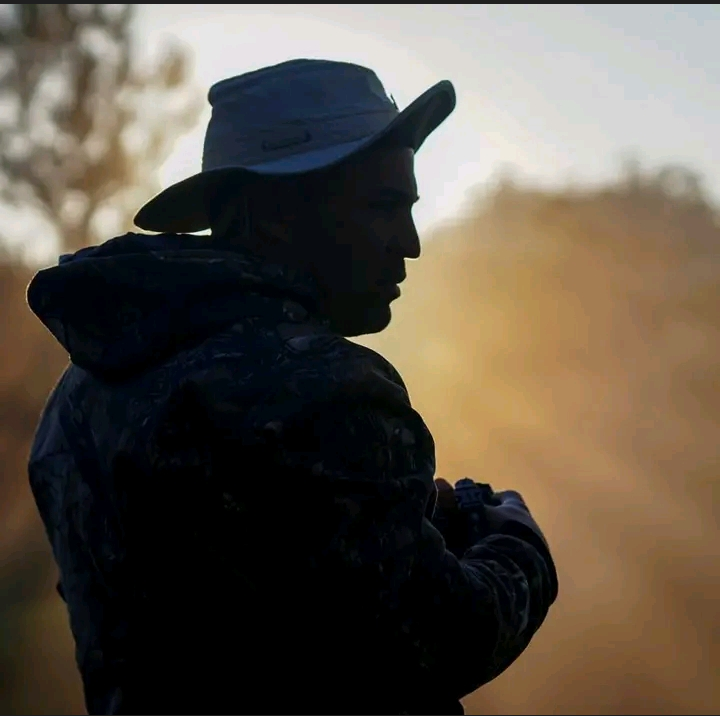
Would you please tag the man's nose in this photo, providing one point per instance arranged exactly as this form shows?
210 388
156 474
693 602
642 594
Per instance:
406 243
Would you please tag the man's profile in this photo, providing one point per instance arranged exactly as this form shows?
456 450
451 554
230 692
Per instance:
242 503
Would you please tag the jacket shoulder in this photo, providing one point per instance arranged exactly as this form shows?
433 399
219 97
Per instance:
287 369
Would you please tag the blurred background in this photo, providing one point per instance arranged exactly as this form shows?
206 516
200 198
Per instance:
560 334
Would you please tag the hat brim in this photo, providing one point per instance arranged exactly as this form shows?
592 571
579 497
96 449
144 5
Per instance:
181 208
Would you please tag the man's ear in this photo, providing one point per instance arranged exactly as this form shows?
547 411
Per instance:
277 229
224 222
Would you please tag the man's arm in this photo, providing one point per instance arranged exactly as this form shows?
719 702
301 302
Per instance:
463 620
477 614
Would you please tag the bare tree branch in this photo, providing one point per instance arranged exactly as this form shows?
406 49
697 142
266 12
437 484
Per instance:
73 96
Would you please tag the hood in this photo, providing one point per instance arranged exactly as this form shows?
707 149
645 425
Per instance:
129 303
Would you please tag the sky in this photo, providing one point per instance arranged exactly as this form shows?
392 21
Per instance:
559 92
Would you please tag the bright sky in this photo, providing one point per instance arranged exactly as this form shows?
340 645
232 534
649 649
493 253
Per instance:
559 91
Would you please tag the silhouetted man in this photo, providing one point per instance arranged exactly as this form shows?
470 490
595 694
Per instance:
239 499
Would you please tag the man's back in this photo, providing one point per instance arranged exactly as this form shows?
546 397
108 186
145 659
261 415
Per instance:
239 503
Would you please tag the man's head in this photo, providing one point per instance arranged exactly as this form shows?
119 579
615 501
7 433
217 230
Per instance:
327 184
351 227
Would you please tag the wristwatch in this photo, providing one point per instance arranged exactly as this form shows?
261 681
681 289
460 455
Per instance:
469 524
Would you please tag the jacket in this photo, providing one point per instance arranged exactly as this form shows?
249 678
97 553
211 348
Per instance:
240 501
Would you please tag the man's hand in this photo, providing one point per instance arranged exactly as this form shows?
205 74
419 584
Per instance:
501 514
449 520
446 496
511 510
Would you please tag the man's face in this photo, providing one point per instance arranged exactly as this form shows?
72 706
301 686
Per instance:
365 234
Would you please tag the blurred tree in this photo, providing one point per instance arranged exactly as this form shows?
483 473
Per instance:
82 128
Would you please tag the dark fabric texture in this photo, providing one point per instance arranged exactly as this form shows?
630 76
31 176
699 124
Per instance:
240 502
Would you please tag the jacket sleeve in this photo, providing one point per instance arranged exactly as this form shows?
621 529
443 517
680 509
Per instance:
475 615
461 620
465 620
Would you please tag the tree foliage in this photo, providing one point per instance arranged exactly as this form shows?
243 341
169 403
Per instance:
83 128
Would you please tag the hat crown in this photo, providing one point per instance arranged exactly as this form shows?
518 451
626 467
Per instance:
299 105
299 87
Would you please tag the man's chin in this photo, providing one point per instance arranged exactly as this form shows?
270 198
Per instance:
363 321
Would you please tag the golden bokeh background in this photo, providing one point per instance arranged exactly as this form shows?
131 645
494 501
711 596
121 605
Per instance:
564 344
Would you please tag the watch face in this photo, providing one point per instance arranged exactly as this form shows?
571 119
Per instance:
472 495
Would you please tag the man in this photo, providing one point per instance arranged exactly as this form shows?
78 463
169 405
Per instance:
239 499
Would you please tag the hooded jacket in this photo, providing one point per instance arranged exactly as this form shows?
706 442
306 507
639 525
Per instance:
240 501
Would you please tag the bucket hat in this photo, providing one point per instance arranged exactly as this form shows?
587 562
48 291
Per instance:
294 118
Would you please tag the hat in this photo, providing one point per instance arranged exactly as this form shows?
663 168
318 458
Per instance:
289 119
